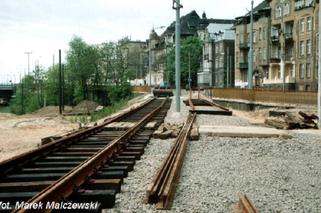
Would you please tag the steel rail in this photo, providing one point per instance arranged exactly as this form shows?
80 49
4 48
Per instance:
72 181
27 157
162 189
244 205
209 101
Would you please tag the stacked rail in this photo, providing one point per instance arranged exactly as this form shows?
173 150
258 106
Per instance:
88 166
162 189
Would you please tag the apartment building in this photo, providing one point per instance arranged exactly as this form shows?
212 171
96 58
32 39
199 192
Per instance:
261 47
285 45
217 67
293 63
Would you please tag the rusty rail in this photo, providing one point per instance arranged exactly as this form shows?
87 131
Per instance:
161 191
209 101
72 181
244 205
22 159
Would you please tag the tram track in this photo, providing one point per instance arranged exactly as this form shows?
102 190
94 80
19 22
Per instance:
88 166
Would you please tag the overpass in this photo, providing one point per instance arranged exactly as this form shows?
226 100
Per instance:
6 92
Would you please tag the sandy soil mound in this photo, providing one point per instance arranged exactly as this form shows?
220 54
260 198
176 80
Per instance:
50 111
85 107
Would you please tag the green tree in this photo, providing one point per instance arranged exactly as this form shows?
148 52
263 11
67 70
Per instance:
191 53
82 63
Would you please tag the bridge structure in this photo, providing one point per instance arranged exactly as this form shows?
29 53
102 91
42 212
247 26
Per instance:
6 92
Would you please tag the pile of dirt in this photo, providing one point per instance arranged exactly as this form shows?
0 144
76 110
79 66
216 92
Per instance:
50 111
85 107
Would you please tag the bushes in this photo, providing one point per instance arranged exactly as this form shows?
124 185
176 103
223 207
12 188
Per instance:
117 93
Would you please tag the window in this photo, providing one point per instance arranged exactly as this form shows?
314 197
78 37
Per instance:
264 35
278 12
260 34
260 54
301 71
308 3
309 47
254 37
308 70
309 23
264 54
286 9
301 48
302 25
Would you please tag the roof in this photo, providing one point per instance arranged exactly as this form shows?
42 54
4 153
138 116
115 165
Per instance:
192 22
262 7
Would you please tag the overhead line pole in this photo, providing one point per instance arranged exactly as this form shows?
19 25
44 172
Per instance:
177 6
319 70
28 53
60 84
250 68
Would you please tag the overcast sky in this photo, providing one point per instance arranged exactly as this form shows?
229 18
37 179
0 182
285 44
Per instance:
44 26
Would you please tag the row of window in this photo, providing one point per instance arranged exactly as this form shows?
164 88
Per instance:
308 22
308 47
284 8
305 70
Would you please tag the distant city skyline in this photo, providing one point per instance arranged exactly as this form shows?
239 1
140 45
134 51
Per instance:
43 27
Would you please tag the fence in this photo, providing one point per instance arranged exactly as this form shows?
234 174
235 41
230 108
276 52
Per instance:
271 96
139 89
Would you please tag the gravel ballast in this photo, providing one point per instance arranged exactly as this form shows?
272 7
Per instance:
133 190
278 175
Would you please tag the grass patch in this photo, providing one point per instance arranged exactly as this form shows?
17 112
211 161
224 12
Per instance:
5 109
115 107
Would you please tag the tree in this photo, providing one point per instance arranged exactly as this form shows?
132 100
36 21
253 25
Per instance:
82 63
191 53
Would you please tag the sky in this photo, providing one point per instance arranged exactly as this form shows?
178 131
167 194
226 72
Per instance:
44 26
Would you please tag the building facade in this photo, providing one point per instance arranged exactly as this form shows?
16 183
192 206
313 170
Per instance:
294 43
261 47
285 45
217 67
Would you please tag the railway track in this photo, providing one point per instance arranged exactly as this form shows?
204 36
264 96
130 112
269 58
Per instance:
85 167
162 189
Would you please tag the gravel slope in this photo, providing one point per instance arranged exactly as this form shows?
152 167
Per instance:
278 175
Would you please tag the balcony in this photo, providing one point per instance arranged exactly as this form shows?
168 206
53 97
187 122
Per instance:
288 80
275 59
244 45
275 38
288 36
244 65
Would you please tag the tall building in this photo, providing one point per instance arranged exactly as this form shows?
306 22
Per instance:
261 48
191 25
285 45
294 44
217 66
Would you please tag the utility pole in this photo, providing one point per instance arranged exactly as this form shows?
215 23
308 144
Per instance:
228 67
63 87
250 68
189 71
150 61
177 6
319 70
282 70
60 86
28 53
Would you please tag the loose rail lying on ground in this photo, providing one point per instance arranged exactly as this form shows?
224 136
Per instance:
244 205
163 187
